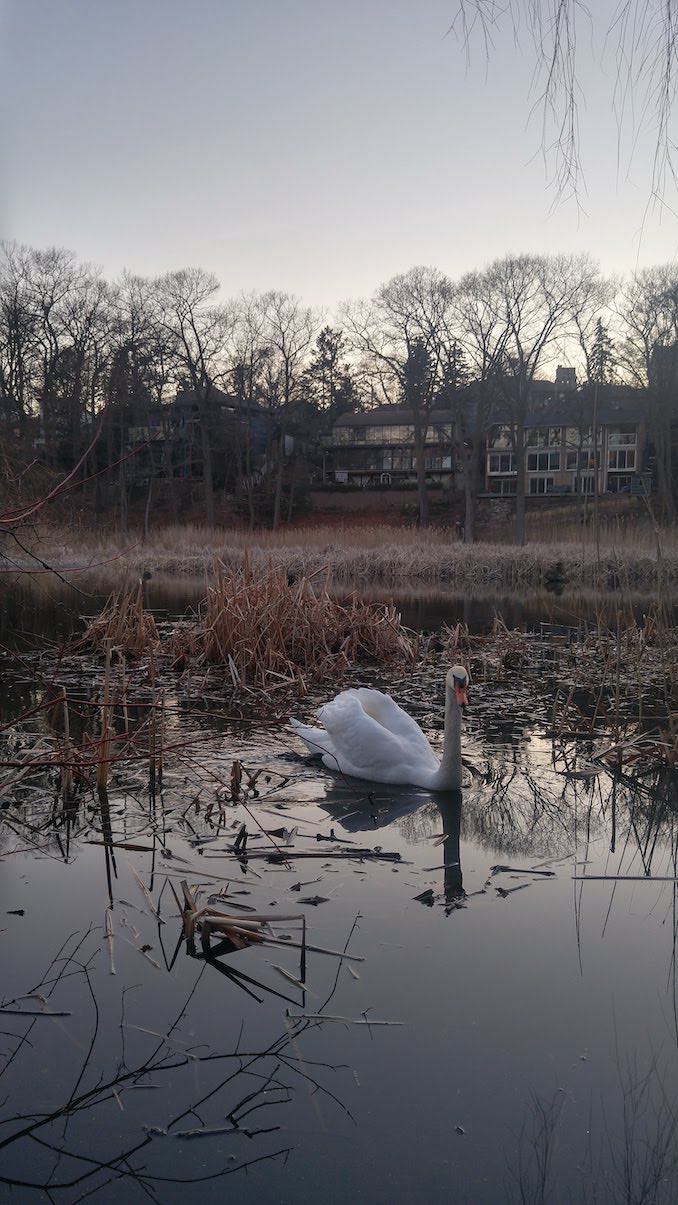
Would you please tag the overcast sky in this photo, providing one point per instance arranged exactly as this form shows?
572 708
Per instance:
307 145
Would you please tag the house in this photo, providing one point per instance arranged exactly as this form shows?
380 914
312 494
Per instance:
377 447
171 434
560 456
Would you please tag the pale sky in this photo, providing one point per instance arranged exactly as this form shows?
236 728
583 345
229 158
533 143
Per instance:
307 145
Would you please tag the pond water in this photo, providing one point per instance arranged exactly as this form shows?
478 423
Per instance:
532 1053
41 607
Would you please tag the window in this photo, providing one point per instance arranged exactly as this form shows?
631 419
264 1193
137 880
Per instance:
584 484
621 458
402 460
500 437
501 462
620 481
502 485
541 485
541 462
438 462
537 437
440 433
576 437
543 437
581 460
622 436
359 434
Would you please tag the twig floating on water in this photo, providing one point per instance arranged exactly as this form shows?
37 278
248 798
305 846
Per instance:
625 878
339 1020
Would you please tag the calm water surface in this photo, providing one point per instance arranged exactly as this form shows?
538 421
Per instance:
537 1035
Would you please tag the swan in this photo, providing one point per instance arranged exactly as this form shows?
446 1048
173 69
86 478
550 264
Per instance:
366 735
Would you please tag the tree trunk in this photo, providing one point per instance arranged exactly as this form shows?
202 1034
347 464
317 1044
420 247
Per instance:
520 483
122 500
421 478
147 510
290 501
277 496
168 470
661 435
207 474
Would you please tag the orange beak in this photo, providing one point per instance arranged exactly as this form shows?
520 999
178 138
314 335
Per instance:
460 693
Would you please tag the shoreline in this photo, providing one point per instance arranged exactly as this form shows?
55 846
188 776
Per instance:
474 567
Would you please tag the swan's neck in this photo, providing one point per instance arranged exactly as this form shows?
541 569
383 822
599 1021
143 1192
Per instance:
450 764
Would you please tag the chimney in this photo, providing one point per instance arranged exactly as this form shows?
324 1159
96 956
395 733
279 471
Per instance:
566 379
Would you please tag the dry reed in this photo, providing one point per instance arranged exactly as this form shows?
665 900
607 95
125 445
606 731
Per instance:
123 625
267 630
390 555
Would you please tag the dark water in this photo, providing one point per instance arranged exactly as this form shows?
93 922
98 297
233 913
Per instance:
47 609
538 1044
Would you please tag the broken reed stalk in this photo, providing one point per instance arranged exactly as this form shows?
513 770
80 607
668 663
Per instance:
124 624
244 931
152 730
103 763
66 769
109 935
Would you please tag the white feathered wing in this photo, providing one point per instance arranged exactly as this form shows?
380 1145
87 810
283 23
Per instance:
366 735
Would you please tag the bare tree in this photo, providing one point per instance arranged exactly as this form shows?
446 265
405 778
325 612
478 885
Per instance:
200 331
18 334
404 333
139 370
642 35
249 353
289 329
483 338
648 312
527 303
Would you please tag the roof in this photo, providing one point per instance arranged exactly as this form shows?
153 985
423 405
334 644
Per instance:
187 399
381 416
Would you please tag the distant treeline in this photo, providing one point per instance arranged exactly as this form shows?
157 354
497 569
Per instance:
247 386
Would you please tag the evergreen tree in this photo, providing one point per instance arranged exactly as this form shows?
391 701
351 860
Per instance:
329 379
601 356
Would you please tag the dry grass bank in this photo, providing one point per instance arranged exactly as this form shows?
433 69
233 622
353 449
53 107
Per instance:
384 555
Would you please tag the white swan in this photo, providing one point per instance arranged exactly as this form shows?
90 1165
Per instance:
366 735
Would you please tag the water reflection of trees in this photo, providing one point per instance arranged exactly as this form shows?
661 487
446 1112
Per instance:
526 806
233 1096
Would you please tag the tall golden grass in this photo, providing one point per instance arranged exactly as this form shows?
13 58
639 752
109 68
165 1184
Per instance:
269 630
387 555
123 624
263 628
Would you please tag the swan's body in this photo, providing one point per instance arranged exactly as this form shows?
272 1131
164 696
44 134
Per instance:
366 735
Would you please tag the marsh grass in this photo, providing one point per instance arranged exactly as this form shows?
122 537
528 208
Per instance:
123 624
388 555
263 627
268 629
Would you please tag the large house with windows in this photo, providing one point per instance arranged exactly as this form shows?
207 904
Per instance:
376 447
570 436
563 452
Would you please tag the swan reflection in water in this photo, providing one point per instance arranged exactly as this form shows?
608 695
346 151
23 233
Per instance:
384 808
450 811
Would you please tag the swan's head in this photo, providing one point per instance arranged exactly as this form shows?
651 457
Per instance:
457 681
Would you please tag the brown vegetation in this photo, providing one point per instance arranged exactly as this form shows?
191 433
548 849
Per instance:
123 625
264 628
381 554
